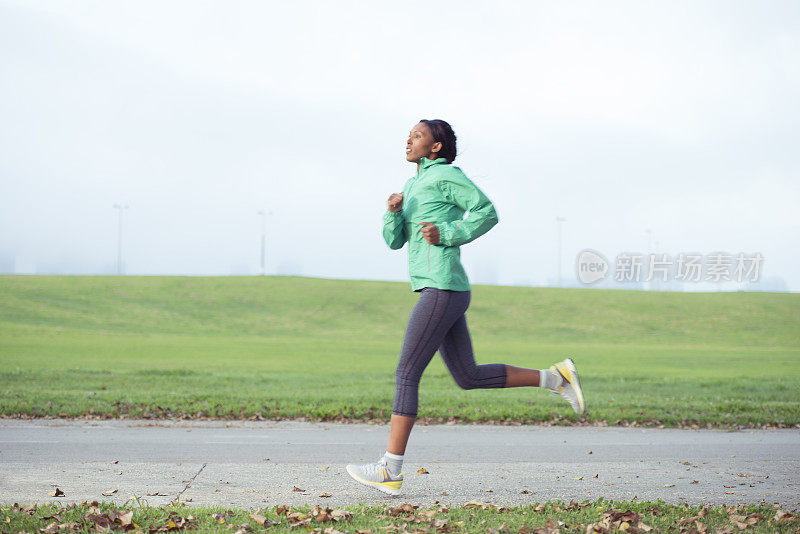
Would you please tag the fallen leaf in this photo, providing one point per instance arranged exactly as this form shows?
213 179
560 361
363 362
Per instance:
341 515
115 462
156 494
422 471
404 508
123 518
780 516
577 478
590 452
260 519
56 493
326 468
669 485
693 482
295 488
109 493
526 492
325 495
479 504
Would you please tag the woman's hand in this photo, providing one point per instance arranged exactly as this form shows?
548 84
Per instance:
430 232
395 202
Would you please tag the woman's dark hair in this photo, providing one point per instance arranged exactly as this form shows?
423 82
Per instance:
443 133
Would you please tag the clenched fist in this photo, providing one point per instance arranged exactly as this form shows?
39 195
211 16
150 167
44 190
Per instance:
395 202
430 232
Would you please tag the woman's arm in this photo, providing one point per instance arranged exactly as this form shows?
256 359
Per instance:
394 227
459 190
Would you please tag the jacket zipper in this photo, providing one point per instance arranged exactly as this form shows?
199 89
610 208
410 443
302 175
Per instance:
429 257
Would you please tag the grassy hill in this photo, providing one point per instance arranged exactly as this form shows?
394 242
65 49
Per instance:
302 347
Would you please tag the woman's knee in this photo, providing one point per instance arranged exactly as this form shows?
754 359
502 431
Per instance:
466 380
406 377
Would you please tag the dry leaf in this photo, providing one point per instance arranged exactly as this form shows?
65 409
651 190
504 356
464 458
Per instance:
422 471
110 493
326 468
780 516
694 482
577 478
479 504
115 462
341 515
325 495
56 493
260 519
295 488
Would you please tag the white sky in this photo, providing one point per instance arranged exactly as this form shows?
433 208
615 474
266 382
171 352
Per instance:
679 117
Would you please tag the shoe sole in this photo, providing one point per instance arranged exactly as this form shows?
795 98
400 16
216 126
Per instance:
575 382
377 485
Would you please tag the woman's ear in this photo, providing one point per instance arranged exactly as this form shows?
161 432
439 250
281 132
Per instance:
437 146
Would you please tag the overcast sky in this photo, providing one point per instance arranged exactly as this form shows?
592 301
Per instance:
678 117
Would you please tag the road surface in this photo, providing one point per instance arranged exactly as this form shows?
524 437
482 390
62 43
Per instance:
257 464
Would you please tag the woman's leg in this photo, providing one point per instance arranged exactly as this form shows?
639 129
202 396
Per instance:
456 351
398 434
431 319
520 376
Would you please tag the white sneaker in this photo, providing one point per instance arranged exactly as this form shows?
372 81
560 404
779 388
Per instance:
378 476
570 388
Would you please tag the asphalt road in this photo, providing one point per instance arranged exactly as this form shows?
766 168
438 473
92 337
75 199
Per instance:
256 464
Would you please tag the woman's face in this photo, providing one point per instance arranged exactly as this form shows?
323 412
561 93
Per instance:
421 144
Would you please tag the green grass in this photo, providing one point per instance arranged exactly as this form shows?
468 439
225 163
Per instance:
474 517
283 347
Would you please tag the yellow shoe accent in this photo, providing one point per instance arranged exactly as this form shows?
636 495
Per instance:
565 373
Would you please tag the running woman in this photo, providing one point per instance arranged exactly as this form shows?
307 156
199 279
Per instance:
429 214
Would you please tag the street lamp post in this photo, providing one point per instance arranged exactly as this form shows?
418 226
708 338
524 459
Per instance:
120 208
649 257
559 220
263 240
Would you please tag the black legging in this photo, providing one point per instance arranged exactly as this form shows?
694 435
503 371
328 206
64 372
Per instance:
438 322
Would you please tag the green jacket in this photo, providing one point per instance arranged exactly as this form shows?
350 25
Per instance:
441 194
